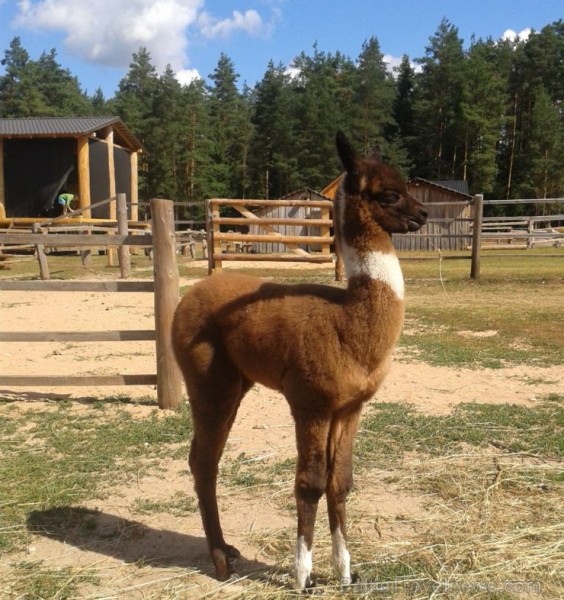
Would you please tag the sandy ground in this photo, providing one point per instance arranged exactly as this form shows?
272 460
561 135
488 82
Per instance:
263 430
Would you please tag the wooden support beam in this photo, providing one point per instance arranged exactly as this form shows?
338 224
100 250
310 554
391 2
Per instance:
111 173
134 192
83 151
2 181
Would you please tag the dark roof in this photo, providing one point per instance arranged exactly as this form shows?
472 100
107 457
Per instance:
458 185
455 186
305 193
65 127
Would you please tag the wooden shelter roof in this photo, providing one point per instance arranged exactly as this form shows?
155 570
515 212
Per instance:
305 193
454 188
68 127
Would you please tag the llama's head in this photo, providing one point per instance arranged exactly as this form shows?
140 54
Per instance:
380 189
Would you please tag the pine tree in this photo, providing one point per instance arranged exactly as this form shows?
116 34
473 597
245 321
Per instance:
373 98
19 93
136 92
100 106
133 103
226 131
166 138
320 87
546 147
482 105
60 91
273 164
198 142
438 105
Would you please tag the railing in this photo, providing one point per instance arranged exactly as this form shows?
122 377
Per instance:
299 245
164 287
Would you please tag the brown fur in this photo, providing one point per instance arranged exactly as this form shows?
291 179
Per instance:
326 349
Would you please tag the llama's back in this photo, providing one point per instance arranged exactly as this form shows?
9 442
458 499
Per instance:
263 328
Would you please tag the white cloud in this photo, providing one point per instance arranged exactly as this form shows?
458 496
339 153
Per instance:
108 32
392 62
512 36
187 76
249 21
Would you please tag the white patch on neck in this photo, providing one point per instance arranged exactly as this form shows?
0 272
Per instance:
378 265
303 564
340 557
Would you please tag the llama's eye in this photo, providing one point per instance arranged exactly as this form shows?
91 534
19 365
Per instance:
388 197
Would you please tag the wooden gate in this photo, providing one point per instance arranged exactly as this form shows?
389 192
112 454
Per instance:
230 238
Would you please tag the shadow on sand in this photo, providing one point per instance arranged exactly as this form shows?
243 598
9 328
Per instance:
132 541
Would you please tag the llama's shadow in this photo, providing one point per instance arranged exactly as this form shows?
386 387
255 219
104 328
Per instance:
132 542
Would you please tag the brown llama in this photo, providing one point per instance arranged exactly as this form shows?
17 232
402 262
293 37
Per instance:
325 348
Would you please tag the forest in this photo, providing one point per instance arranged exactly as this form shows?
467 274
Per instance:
491 113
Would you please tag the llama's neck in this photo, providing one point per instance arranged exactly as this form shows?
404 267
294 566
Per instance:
369 252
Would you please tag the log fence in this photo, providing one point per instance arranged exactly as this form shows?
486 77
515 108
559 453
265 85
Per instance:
219 241
164 287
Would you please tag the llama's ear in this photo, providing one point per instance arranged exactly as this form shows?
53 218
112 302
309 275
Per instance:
347 153
375 154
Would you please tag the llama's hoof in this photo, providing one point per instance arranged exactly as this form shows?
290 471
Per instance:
223 559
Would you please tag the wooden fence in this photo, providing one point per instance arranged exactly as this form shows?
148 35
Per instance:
466 228
164 287
235 245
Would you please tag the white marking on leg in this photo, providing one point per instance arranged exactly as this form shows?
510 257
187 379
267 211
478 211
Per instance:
341 557
303 564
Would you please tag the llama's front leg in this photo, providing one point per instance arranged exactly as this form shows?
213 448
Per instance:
339 484
311 478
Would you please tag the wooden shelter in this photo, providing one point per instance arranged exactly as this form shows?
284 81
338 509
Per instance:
94 158
289 212
449 208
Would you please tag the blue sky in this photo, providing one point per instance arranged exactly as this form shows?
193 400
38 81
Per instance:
95 39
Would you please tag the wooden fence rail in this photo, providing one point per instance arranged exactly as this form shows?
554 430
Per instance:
166 295
298 243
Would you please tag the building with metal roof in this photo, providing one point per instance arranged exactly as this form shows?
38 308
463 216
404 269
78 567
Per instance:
93 158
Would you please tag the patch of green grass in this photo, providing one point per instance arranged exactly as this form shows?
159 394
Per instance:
557 398
242 472
180 504
485 325
390 430
51 458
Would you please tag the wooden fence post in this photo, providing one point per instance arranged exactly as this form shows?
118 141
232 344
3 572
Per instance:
40 249
124 256
477 235
214 245
169 382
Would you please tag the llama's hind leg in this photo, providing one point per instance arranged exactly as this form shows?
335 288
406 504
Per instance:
339 483
214 408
